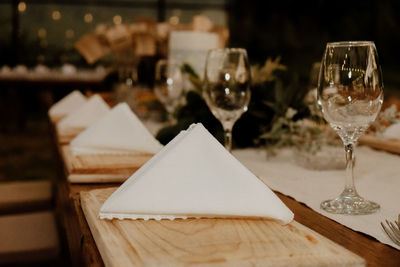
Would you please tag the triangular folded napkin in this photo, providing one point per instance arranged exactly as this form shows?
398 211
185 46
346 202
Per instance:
118 131
194 176
66 105
84 116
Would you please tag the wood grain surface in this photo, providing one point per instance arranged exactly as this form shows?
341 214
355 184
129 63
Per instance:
208 241
84 251
101 168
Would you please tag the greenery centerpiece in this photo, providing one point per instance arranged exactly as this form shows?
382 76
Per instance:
278 114
281 113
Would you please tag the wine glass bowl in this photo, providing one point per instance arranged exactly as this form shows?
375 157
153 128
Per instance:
350 93
227 87
168 85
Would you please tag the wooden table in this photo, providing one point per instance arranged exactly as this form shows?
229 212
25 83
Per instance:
84 252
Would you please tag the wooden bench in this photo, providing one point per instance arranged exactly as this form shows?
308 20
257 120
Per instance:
28 238
25 196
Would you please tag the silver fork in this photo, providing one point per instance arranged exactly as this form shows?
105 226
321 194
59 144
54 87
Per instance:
393 230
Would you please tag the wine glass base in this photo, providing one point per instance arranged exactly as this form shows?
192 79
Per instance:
352 205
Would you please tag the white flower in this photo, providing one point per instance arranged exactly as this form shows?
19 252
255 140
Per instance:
290 112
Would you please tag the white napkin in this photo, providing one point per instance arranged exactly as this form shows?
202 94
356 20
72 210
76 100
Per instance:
20 69
84 116
393 131
67 104
119 131
5 69
41 69
194 176
68 69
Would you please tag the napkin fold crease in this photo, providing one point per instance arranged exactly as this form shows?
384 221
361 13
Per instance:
119 131
66 105
82 117
194 176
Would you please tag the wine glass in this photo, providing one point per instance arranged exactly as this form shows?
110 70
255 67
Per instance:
168 85
350 92
226 87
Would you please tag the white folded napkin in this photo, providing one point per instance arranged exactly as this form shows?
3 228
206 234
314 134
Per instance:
67 104
84 116
68 69
5 69
20 69
393 131
118 131
41 69
194 176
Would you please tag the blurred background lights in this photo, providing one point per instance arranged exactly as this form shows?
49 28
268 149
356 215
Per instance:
117 19
43 43
42 33
88 18
21 7
174 20
69 33
56 15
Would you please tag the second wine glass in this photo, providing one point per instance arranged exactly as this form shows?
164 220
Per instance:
168 86
350 92
227 87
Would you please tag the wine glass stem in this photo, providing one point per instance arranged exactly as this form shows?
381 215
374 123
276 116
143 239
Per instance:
350 159
228 139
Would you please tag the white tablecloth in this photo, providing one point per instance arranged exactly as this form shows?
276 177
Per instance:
377 178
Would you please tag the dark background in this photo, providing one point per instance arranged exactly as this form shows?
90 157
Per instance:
299 30
295 30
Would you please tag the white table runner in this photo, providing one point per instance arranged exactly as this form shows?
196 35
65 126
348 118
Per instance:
377 179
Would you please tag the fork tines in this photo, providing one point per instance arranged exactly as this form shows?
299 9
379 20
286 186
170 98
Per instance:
392 230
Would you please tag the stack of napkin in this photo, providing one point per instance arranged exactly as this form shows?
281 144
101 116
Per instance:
66 105
117 132
194 176
82 117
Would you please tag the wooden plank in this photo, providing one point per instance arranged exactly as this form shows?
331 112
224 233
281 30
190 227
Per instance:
208 241
101 168
374 252
389 145
97 178
64 138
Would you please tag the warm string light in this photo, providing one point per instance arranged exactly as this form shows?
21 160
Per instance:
21 7
43 43
56 15
42 33
175 18
88 17
117 19
69 34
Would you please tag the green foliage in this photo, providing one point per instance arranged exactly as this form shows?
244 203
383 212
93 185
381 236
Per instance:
271 97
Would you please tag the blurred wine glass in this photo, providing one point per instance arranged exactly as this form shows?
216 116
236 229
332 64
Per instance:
168 86
227 87
350 92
